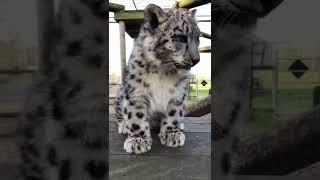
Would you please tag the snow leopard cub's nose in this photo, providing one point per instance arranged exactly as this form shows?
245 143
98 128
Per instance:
195 61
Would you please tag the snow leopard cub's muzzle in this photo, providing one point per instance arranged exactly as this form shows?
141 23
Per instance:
195 61
187 57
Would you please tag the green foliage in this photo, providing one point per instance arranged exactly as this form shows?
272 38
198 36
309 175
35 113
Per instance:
293 95
203 91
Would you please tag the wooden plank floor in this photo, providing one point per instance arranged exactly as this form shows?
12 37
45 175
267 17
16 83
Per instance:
191 161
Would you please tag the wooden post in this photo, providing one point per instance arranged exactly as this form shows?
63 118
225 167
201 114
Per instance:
275 83
45 10
122 49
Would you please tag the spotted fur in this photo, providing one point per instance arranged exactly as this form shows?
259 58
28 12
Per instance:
63 129
234 22
156 83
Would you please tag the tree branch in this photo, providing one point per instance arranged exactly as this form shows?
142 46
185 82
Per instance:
282 150
200 108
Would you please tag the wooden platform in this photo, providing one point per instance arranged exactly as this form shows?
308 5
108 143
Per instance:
191 161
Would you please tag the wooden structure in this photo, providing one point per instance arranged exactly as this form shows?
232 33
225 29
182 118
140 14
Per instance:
134 18
191 161
161 161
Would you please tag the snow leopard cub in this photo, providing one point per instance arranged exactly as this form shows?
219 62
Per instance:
156 82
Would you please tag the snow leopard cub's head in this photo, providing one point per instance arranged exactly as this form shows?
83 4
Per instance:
170 37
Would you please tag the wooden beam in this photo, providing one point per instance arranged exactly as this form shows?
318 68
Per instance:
206 49
191 3
122 30
128 15
116 7
133 20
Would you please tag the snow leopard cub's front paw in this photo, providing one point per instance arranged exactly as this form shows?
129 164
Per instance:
172 138
137 145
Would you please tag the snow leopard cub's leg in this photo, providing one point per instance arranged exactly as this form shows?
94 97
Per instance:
122 128
171 131
134 108
136 124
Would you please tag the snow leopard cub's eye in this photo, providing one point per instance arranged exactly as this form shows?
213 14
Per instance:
181 38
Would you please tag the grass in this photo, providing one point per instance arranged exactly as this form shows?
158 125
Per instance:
289 99
293 95
262 120
203 91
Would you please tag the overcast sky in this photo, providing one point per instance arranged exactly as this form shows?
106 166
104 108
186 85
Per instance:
18 17
294 20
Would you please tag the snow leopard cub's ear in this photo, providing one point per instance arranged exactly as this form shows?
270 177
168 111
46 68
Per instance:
192 13
154 16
